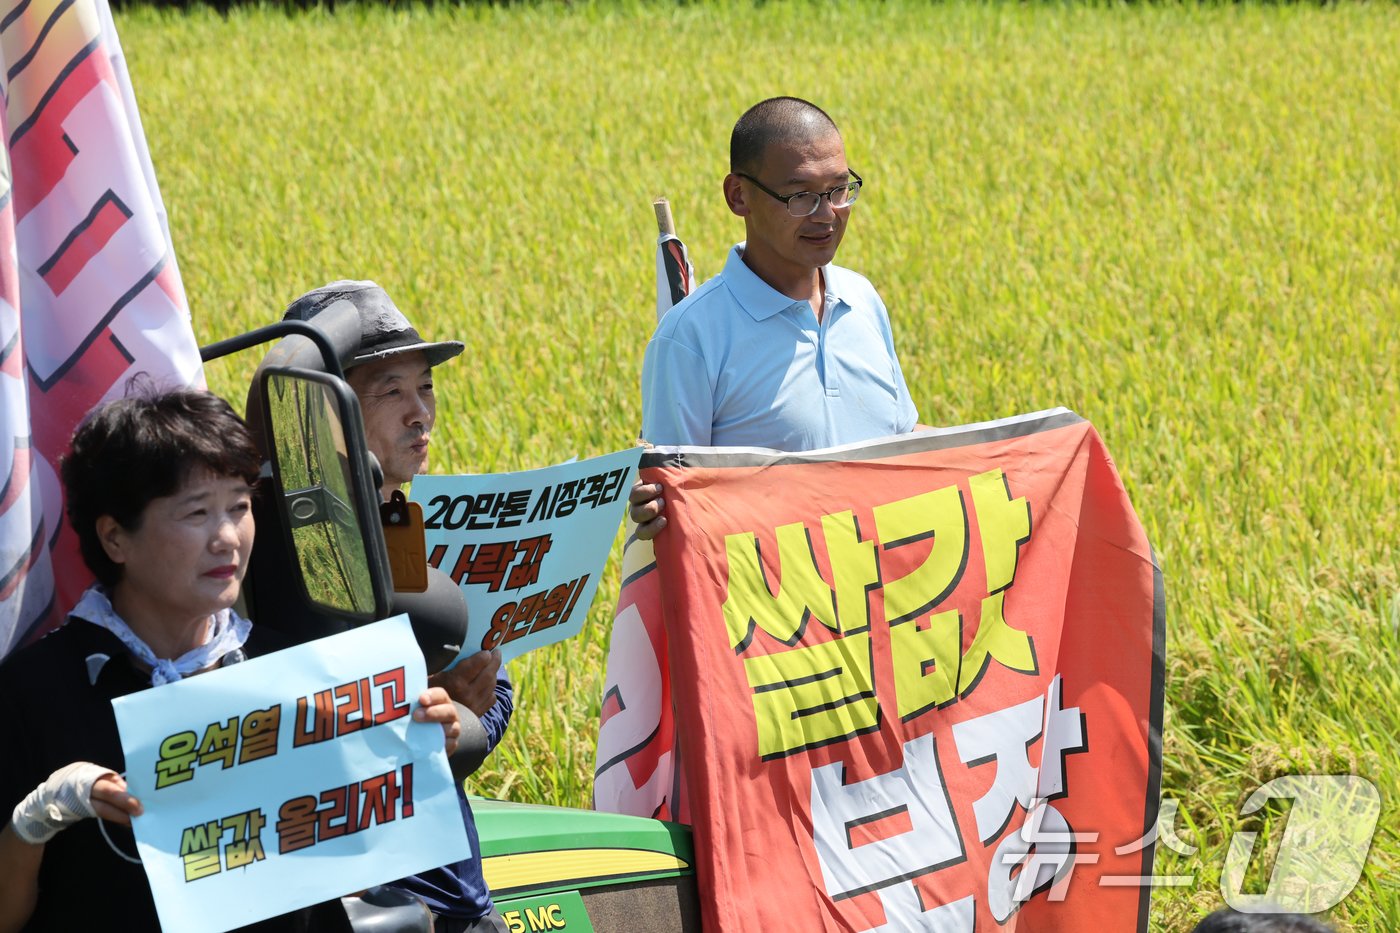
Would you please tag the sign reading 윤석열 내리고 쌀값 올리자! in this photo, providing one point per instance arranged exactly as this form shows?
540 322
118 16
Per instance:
925 671
526 548
289 779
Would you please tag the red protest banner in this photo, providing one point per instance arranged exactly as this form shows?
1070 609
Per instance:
917 681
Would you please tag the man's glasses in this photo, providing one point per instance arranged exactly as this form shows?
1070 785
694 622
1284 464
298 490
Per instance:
805 203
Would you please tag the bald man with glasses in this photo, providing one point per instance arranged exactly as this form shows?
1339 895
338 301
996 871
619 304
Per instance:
783 349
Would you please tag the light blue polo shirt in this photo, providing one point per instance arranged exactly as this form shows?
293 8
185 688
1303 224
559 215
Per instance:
739 364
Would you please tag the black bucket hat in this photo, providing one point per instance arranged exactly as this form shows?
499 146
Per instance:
384 331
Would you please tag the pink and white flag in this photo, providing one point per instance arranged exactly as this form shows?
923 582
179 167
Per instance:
89 290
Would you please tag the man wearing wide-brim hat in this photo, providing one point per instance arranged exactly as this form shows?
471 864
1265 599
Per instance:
392 374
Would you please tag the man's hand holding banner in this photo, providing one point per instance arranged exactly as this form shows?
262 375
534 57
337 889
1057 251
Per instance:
917 680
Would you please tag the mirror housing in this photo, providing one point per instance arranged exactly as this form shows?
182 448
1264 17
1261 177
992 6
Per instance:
439 618
319 565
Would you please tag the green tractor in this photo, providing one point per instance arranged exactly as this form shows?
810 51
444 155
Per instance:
549 869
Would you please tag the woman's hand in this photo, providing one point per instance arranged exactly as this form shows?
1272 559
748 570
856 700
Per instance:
434 705
111 802
71 794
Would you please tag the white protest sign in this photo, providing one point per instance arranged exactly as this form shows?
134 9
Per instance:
288 780
526 548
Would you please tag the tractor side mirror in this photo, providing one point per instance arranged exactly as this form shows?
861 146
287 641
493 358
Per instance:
318 534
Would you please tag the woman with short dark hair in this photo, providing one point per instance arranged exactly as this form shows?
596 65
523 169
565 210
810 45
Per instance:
136 449
159 490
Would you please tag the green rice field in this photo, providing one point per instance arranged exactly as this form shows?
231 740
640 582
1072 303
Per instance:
1179 221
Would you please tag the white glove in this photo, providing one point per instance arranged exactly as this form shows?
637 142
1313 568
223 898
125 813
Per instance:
64 799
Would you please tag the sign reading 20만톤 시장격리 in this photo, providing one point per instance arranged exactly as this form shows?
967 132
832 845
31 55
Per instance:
526 548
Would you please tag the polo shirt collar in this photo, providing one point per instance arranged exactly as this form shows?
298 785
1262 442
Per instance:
756 296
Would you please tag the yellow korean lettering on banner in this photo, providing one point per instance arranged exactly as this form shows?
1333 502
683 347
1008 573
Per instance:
750 602
1005 524
995 640
811 696
814 694
925 660
854 567
941 515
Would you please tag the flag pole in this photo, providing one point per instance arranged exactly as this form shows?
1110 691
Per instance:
675 277
665 225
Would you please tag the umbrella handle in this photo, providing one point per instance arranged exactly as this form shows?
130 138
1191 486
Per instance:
664 224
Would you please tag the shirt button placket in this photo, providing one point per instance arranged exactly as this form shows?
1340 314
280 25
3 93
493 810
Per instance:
829 381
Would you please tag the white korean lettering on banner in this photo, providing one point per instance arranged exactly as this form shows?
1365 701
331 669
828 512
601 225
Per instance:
880 833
